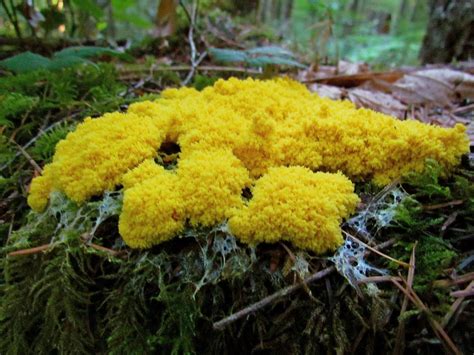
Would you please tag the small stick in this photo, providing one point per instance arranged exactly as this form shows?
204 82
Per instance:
469 291
192 22
400 343
443 205
33 140
269 299
215 68
45 247
402 263
454 307
437 328
378 279
457 281
104 249
283 292
29 158
29 251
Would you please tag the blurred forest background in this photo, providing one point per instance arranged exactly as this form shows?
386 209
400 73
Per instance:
385 33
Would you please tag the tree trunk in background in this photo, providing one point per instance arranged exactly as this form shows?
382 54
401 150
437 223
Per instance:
165 19
450 32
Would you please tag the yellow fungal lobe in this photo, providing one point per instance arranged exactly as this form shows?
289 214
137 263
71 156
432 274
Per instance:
296 205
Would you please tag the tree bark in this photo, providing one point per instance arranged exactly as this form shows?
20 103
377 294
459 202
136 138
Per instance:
450 32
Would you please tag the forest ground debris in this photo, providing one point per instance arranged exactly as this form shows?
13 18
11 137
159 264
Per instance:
118 306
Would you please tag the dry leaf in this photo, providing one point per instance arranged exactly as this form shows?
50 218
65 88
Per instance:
439 86
377 101
348 68
330 92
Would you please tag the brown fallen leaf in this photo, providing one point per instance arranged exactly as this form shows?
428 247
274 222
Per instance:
349 68
377 101
439 86
351 81
343 68
331 92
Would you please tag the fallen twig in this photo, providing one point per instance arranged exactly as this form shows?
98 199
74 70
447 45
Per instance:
377 279
192 23
457 281
33 140
269 299
45 247
454 307
402 263
29 158
283 292
437 328
30 251
469 291
443 205
400 339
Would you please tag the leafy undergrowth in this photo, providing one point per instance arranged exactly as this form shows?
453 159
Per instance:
70 285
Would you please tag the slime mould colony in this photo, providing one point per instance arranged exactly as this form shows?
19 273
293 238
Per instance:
266 136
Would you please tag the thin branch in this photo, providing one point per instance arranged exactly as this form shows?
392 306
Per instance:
29 158
469 291
283 292
214 68
192 23
377 279
30 251
400 339
402 263
437 328
33 140
269 299
443 205
456 281
45 247
454 307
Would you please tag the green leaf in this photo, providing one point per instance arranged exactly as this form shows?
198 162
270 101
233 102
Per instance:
90 7
25 62
67 62
266 60
88 52
272 51
228 55
257 57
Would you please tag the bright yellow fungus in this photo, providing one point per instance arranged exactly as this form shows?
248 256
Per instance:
297 205
211 183
152 212
232 135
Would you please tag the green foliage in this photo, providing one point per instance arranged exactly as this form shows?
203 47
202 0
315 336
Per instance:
14 105
200 82
68 57
91 89
428 184
25 62
62 298
90 7
433 254
256 57
44 147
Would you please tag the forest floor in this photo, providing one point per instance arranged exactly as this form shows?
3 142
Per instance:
205 292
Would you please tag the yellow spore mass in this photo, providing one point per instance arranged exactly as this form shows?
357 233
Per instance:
297 205
233 135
